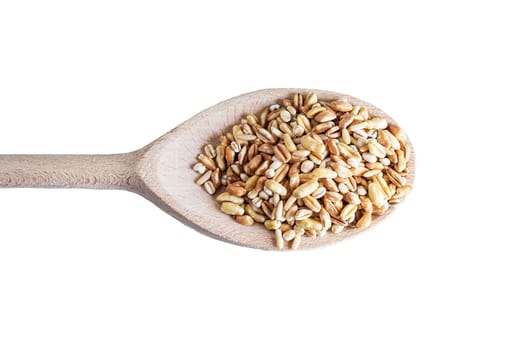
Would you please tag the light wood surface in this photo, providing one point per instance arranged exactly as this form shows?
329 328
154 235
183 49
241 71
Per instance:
161 171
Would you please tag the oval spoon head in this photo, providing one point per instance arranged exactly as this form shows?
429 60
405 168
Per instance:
169 181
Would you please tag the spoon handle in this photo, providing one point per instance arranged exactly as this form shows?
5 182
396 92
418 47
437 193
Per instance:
112 171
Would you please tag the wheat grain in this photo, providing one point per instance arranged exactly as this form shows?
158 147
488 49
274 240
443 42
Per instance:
305 167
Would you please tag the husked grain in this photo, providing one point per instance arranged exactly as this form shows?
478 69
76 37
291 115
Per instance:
305 168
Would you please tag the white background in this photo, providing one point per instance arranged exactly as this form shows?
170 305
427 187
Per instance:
108 270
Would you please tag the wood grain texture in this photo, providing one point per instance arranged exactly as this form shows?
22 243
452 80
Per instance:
114 171
162 171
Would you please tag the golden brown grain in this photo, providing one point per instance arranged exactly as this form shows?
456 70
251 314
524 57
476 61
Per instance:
232 208
244 220
303 167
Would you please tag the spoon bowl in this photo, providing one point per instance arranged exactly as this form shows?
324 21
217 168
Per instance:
162 171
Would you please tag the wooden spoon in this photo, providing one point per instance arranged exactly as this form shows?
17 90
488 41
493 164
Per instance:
162 171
